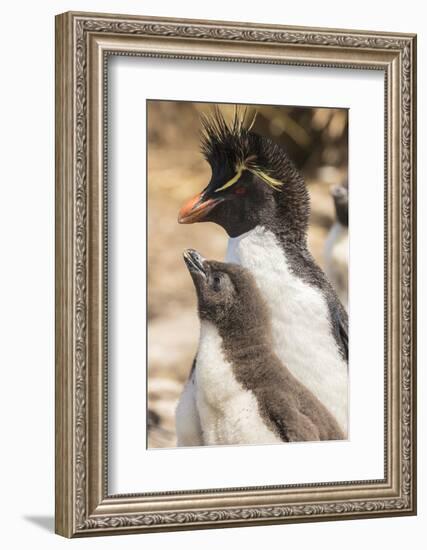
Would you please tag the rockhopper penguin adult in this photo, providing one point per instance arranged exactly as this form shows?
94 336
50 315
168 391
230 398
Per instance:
239 391
258 196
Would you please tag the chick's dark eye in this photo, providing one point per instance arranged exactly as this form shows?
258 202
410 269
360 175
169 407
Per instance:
216 283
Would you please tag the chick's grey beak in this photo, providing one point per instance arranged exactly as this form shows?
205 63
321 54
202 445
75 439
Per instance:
195 262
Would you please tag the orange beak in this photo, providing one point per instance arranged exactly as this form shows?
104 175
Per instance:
195 210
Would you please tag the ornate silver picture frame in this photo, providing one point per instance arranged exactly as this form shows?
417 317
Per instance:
84 42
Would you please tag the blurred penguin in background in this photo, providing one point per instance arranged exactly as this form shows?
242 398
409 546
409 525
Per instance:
336 245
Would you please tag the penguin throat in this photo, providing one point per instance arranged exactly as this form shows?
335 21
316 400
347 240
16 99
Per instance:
285 237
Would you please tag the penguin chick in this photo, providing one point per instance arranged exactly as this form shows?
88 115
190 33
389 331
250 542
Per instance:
239 389
336 245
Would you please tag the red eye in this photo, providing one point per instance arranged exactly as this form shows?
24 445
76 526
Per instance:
240 191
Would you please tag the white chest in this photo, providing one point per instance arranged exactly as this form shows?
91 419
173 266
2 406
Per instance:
228 412
301 328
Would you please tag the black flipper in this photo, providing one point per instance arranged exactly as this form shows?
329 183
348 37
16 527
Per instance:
339 319
291 424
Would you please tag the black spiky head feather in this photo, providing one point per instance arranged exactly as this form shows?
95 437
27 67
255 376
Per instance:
227 143
236 153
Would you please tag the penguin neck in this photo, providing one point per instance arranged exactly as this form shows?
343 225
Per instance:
281 226
243 340
248 351
241 331
292 245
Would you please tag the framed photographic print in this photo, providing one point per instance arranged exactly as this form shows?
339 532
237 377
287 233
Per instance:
235 274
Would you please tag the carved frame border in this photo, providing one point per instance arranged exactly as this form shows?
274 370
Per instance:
83 43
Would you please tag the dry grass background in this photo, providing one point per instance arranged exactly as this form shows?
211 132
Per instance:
317 142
